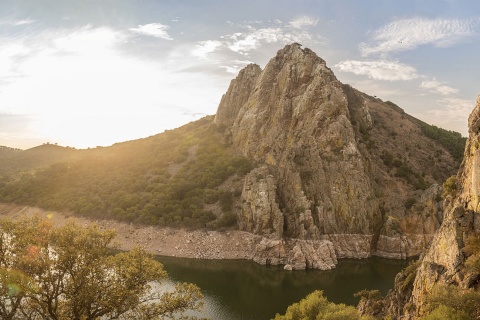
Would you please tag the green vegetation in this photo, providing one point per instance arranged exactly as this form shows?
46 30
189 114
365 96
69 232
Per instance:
70 273
450 186
372 302
167 180
404 170
452 302
450 140
316 307
472 250
408 276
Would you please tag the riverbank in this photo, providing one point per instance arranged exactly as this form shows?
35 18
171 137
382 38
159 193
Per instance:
197 244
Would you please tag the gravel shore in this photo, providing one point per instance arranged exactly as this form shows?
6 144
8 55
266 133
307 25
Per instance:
197 244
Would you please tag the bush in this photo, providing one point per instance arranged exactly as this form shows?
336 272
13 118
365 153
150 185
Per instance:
316 307
450 140
450 187
451 302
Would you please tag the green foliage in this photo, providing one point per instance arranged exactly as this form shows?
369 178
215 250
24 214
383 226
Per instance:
450 140
451 302
408 276
472 250
165 180
414 178
403 170
371 300
70 273
316 307
446 313
450 186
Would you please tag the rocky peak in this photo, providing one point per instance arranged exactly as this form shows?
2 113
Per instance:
341 165
238 93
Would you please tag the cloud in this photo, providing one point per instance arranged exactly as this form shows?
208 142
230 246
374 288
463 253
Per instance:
302 22
452 109
379 70
245 42
156 30
15 23
77 78
205 47
254 35
407 34
236 66
232 51
438 87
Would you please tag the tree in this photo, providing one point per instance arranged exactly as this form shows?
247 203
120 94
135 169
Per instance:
71 273
316 307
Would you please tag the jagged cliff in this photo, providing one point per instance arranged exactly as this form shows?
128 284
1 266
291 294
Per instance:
443 263
339 174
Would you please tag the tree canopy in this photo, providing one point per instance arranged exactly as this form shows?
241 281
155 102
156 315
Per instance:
316 307
71 273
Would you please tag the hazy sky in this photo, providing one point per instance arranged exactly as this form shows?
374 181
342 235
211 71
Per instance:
84 73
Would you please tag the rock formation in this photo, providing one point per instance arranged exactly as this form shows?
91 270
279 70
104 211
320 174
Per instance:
337 171
443 261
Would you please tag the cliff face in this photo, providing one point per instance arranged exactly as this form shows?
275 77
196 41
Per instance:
334 165
443 261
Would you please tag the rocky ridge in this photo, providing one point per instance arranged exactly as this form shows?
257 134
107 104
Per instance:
339 174
443 261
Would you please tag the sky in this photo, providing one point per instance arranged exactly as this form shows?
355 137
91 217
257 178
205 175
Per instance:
87 73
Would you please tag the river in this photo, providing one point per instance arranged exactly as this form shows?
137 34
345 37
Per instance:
244 290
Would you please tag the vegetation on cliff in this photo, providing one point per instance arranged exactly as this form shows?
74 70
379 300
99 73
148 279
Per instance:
70 273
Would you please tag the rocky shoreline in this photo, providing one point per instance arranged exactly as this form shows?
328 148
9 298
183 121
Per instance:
294 254
198 244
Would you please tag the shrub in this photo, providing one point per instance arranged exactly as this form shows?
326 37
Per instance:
316 307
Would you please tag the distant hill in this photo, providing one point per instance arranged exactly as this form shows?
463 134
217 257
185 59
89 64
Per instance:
292 153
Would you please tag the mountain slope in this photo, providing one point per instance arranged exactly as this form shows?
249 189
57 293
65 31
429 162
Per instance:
337 165
183 177
318 169
453 257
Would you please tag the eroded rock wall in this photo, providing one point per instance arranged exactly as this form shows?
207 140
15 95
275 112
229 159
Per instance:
329 162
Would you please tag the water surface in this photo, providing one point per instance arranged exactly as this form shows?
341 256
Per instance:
239 289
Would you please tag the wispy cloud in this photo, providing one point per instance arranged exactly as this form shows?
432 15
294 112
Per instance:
252 35
156 30
452 109
379 70
203 48
438 87
16 22
407 34
236 66
301 22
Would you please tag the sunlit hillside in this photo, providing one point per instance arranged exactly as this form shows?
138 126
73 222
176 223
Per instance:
182 177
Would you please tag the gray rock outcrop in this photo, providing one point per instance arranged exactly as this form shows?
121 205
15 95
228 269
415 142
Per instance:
333 164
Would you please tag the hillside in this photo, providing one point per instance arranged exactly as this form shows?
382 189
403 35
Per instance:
318 169
183 177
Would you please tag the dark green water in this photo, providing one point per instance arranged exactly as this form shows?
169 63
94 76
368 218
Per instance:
238 289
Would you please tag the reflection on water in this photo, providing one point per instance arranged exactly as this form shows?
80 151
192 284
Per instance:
238 289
